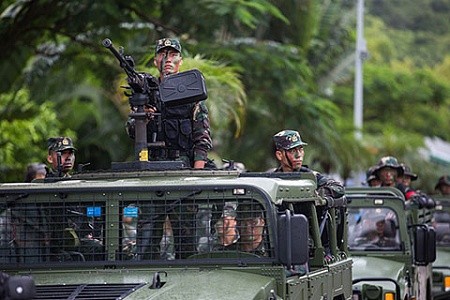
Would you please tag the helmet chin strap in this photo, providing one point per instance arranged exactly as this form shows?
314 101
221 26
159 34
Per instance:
290 165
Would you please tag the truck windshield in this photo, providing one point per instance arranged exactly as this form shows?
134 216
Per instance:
442 226
134 225
372 229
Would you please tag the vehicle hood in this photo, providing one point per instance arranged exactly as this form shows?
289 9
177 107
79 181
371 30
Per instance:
370 267
442 257
176 284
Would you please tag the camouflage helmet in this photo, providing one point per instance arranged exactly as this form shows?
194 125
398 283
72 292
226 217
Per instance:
408 172
443 180
59 144
287 139
388 162
167 42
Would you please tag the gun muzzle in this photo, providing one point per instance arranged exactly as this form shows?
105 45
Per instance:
107 43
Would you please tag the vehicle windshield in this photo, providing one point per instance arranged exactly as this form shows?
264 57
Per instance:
442 226
373 229
139 226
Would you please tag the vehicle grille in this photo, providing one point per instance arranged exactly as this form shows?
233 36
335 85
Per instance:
85 291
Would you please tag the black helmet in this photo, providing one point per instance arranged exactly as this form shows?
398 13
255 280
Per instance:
443 180
370 174
408 172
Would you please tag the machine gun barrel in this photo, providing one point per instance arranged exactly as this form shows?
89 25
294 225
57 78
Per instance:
107 43
135 80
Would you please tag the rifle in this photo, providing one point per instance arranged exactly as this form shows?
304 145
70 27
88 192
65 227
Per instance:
59 161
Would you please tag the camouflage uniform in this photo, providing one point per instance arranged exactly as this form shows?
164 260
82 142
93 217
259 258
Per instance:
185 128
73 230
331 191
288 139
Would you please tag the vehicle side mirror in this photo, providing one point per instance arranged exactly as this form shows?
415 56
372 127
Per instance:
293 236
424 244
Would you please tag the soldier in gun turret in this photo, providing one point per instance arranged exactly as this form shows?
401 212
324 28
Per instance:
185 128
61 156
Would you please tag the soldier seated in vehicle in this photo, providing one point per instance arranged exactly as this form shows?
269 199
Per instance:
378 230
129 225
251 224
226 232
242 229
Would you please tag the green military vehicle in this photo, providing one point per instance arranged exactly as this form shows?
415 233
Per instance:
441 267
173 234
392 244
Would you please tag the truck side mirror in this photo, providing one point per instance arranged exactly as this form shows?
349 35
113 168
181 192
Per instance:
424 244
293 236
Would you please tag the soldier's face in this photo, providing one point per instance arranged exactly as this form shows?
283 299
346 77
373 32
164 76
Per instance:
388 176
445 189
251 229
405 180
168 61
380 226
67 160
375 182
226 230
291 159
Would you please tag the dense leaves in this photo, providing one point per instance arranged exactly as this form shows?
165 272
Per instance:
268 65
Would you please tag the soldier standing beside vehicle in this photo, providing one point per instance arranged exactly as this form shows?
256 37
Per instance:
61 156
185 128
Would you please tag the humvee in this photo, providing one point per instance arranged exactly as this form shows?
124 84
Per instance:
441 267
161 235
392 244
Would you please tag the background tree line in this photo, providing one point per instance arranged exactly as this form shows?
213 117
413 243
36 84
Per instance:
268 65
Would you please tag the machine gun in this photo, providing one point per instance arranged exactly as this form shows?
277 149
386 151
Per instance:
178 89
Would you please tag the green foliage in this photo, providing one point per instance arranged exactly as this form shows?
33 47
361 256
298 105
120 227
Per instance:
269 65
426 20
24 129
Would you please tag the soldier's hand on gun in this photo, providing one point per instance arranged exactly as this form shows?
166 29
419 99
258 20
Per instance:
150 109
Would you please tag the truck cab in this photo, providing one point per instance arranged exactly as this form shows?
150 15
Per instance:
185 234
392 244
